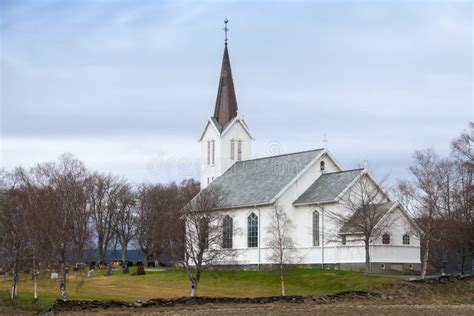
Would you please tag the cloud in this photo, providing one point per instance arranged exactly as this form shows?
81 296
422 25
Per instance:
380 79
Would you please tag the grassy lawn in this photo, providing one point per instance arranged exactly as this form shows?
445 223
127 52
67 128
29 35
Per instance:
174 283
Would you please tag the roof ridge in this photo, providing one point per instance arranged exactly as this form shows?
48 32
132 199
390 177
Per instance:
342 171
288 154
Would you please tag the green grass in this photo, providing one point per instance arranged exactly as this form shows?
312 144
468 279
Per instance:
174 283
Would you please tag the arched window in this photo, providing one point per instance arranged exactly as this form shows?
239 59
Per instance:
406 239
315 228
252 231
385 239
322 165
208 152
232 149
227 229
213 160
239 150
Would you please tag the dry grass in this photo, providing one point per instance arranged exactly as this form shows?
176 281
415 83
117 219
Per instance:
174 283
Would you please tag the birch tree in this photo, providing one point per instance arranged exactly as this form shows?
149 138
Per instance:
280 242
13 226
204 235
364 205
64 185
424 194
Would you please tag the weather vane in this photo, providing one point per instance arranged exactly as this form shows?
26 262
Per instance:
325 141
226 29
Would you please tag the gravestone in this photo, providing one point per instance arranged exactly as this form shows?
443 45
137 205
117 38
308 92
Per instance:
54 275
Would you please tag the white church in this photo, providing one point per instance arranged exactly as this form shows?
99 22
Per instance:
308 185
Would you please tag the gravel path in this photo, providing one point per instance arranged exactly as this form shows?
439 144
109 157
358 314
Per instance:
300 309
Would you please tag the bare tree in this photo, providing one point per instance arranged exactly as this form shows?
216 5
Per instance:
127 218
462 146
462 154
424 193
280 241
103 203
146 221
13 223
364 206
204 235
37 204
64 184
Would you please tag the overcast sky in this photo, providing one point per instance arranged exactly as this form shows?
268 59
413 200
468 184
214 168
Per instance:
127 86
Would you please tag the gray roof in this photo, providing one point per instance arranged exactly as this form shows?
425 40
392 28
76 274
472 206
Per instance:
327 187
379 210
258 181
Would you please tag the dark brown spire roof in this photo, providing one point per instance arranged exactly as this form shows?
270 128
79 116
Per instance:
226 103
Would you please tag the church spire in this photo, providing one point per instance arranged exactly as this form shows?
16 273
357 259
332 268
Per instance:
226 103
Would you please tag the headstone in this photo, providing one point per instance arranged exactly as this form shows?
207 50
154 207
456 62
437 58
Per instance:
91 273
54 275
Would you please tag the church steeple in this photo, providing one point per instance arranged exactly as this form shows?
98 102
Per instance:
226 138
226 103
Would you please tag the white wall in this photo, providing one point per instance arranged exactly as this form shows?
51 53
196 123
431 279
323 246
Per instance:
330 249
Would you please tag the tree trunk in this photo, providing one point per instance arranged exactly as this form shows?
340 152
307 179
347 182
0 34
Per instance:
79 253
14 289
193 288
35 280
124 251
463 260
282 280
101 252
424 262
62 283
367 256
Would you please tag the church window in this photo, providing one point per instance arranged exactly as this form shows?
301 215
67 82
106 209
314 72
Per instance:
213 149
208 153
252 231
232 149
239 150
385 239
322 165
344 240
315 228
227 229
406 239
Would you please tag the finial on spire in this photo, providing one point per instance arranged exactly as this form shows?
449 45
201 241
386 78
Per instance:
226 29
325 141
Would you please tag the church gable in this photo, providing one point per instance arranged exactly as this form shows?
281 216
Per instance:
237 128
210 125
328 187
